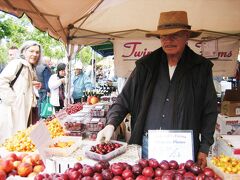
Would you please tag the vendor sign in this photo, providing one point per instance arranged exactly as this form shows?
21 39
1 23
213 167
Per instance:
222 52
127 51
171 145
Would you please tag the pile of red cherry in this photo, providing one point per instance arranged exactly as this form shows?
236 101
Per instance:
105 148
73 108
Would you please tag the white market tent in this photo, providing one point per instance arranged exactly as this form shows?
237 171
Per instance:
89 22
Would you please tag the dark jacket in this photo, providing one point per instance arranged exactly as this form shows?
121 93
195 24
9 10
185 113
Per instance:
195 104
43 75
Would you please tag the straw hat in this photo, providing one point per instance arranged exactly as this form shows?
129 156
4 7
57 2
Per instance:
172 22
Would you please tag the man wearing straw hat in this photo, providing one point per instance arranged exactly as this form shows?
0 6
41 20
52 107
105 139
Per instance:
171 88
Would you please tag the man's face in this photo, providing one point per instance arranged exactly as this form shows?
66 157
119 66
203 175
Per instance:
12 54
174 44
48 62
77 71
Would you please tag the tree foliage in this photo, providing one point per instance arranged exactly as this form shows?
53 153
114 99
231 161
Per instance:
86 55
14 31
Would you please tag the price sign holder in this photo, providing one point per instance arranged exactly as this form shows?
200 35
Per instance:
171 145
41 137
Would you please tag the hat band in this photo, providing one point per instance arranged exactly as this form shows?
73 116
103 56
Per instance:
171 26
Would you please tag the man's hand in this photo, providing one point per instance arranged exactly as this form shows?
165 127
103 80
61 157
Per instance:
105 134
202 160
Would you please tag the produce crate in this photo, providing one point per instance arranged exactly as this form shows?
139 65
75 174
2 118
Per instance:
91 135
220 173
81 134
61 164
56 165
98 113
106 157
228 145
106 98
227 125
64 151
96 124
74 126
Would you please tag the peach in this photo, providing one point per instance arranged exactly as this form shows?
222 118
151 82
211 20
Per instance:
28 159
32 174
6 165
2 175
16 164
40 162
12 156
36 159
24 169
12 173
21 156
38 168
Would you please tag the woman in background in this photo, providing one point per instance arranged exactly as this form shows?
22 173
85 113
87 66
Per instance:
56 85
17 101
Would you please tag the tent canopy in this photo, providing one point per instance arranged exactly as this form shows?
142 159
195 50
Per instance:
90 22
105 49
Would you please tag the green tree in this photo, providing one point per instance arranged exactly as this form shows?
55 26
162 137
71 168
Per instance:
15 31
52 48
4 30
85 55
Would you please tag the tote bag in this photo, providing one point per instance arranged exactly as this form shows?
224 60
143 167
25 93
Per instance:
47 108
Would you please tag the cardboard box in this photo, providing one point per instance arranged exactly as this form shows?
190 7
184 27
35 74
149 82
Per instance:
228 145
227 125
231 103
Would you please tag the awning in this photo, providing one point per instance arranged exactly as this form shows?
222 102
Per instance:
105 49
90 22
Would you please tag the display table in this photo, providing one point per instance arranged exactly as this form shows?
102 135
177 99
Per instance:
60 164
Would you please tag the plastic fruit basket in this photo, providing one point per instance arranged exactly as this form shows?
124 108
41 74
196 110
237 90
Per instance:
96 124
64 151
220 173
106 157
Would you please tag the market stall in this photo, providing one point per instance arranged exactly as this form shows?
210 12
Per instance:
84 26
64 145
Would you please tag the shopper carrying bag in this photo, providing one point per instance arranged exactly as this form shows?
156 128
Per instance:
17 81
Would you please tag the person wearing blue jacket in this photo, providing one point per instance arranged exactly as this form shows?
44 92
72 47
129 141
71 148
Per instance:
80 83
43 74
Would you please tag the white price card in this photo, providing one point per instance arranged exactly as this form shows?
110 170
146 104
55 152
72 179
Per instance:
170 145
98 107
41 137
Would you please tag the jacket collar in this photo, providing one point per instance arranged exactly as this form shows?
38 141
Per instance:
188 56
30 67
